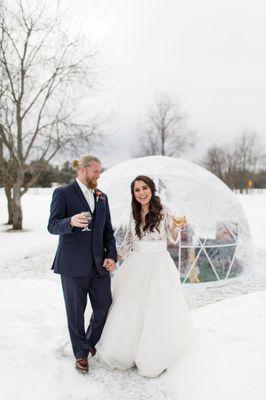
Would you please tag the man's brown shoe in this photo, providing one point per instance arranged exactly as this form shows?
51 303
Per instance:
82 364
93 351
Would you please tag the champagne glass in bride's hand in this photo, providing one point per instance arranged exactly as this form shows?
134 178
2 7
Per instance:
179 221
88 215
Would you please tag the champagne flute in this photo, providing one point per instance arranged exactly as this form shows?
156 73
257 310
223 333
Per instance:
89 218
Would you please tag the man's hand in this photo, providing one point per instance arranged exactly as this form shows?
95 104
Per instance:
109 264
79 220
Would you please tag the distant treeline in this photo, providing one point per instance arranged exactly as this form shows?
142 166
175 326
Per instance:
259 179
240 164
234 178
49 175
256 180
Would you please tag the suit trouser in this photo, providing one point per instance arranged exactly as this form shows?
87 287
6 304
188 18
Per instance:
76 290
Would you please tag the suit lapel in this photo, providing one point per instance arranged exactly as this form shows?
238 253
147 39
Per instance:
97 200
81 196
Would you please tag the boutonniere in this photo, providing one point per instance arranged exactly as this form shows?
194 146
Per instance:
99 195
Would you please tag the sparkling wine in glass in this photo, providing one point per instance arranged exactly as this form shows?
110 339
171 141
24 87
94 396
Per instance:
89 218
180 220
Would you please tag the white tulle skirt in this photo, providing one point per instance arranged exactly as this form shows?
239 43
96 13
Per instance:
148 325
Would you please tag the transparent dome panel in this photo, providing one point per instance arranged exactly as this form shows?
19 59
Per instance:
216 244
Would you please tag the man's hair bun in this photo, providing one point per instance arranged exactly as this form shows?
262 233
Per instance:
84 162
75 164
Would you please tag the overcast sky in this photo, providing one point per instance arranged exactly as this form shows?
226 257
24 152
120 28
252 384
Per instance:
209 54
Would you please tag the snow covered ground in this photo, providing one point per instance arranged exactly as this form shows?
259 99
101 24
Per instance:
228 355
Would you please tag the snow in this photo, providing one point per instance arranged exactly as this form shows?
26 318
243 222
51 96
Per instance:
35 237
227 359
228 356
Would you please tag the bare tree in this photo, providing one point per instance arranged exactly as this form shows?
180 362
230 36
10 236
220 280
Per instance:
238 162
6 181
248 156
165 131
45 75
215 161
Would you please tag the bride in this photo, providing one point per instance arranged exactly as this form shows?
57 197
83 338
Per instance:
148 322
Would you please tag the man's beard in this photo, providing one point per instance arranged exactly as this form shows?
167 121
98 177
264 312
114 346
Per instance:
92 183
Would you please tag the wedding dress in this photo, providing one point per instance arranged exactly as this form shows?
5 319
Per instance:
148 325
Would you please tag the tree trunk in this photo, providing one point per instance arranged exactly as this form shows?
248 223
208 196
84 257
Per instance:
8 192
17 210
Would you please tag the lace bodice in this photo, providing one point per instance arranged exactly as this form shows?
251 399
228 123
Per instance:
167 231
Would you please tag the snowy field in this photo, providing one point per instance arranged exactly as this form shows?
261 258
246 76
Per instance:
227 360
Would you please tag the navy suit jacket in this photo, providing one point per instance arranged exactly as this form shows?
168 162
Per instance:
77 251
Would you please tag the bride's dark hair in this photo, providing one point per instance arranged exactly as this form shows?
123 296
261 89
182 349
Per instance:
154 215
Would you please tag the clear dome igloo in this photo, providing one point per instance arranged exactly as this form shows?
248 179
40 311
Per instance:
216 244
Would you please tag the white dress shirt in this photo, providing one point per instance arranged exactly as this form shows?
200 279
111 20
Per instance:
88 193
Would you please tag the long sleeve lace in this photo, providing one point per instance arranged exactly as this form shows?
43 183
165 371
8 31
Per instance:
126 246
167 231
171 229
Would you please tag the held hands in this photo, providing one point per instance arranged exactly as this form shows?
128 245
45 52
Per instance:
109 264
79 220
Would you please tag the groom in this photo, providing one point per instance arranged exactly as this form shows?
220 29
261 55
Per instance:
84 259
